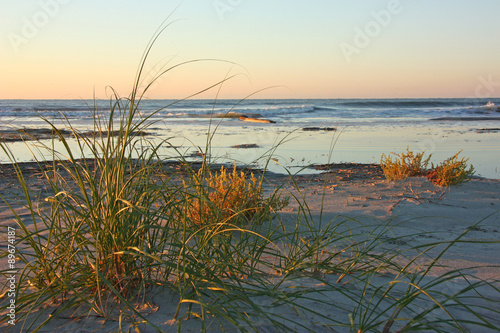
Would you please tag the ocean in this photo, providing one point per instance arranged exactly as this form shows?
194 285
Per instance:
366 128
314 112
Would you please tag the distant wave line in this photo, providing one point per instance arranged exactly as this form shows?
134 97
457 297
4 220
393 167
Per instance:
414 103
465 119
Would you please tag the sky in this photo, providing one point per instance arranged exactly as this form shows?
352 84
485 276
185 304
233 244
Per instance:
65 49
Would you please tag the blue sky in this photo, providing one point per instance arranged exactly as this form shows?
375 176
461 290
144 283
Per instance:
310 49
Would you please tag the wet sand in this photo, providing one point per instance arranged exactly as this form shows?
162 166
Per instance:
296 147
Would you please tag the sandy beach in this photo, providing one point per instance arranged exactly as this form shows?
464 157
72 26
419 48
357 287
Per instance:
405 216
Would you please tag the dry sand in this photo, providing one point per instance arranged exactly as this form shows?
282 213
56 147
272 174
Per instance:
415 206
416 211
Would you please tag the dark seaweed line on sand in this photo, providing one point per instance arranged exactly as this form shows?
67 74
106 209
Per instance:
31 134
351 171
343 171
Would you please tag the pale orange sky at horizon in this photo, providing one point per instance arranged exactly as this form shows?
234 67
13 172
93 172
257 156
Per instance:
55 49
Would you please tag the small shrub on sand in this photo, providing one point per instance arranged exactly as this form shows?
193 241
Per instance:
404 165
221 197
451 172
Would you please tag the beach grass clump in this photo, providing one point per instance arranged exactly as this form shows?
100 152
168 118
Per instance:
113 224
229 197
404 165
452 171
95 208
